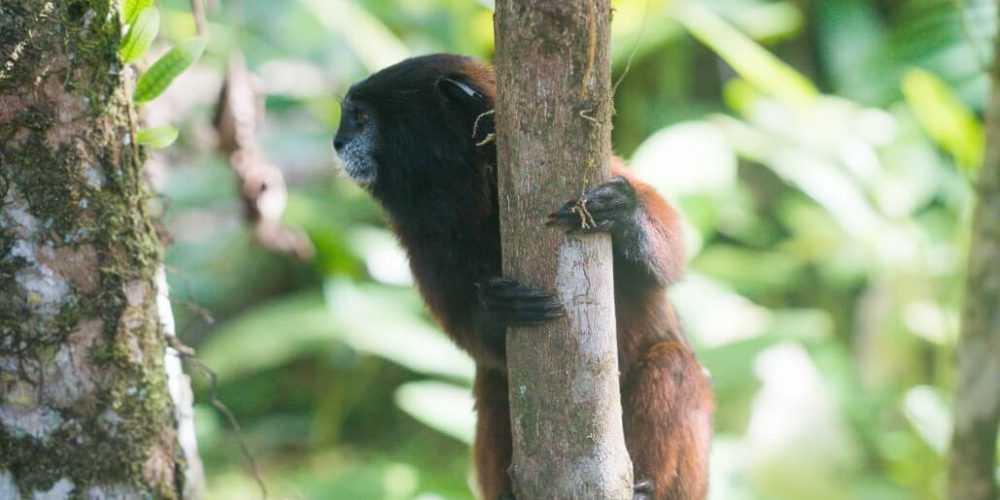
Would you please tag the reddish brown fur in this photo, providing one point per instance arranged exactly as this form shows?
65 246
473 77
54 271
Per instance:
448 222
492 448
666 395
660 221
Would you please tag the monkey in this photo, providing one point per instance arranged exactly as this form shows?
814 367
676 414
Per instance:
417 136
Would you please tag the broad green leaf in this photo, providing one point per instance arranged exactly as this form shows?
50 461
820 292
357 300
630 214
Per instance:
814 174
732 364
855 50
140 35
398 334
705 161
928 412
640 28
157 137
374 320
741 96
153 82
944 117
766 20
132 8
444 407
180 24
269 335
755 64
748 270
373 43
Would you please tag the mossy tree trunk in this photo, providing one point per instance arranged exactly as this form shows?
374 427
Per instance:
553 119
977 395
85 409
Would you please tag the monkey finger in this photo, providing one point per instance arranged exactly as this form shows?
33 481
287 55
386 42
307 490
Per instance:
512 294
542 306
524 309
602 226
497 282
544 309
534 316
567 212
506 300
520 294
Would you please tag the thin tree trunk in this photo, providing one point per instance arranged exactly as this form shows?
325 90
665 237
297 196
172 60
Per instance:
553 123
977 397
85 409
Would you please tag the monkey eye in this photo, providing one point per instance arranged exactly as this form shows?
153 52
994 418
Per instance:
361 118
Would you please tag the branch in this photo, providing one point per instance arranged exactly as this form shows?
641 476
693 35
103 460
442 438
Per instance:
553 139
262 185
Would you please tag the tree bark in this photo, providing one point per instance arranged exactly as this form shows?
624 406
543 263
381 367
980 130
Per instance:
85 408
554 140
977 394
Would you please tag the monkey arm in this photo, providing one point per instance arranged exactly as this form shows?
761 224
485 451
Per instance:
651 243
645 230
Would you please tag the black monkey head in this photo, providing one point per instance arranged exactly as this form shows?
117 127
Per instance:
414 122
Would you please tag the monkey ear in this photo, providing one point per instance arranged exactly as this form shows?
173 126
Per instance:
460 92
472 104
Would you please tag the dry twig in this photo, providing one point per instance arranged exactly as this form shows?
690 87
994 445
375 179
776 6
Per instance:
262 185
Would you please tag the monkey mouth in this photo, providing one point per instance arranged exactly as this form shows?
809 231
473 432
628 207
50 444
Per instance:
360 167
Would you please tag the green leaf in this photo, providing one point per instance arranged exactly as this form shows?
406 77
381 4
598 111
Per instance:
270 335
398 334
140 35
444 407
157 137
373 43
944 117
927 410
755 64
765 20
153 82
132 8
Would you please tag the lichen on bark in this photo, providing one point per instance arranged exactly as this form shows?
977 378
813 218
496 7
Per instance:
84 407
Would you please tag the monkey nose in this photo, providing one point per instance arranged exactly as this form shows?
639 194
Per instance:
338 144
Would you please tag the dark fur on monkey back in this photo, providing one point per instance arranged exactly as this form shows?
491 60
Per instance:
436 177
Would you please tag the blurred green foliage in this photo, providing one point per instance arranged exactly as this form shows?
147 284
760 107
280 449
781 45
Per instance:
819 150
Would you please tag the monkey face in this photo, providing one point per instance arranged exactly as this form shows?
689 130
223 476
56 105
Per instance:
414 128
355 142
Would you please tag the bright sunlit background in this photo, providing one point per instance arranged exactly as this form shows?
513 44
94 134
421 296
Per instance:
820 151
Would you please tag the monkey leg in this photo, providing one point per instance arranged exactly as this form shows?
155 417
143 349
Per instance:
668 424
492 448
